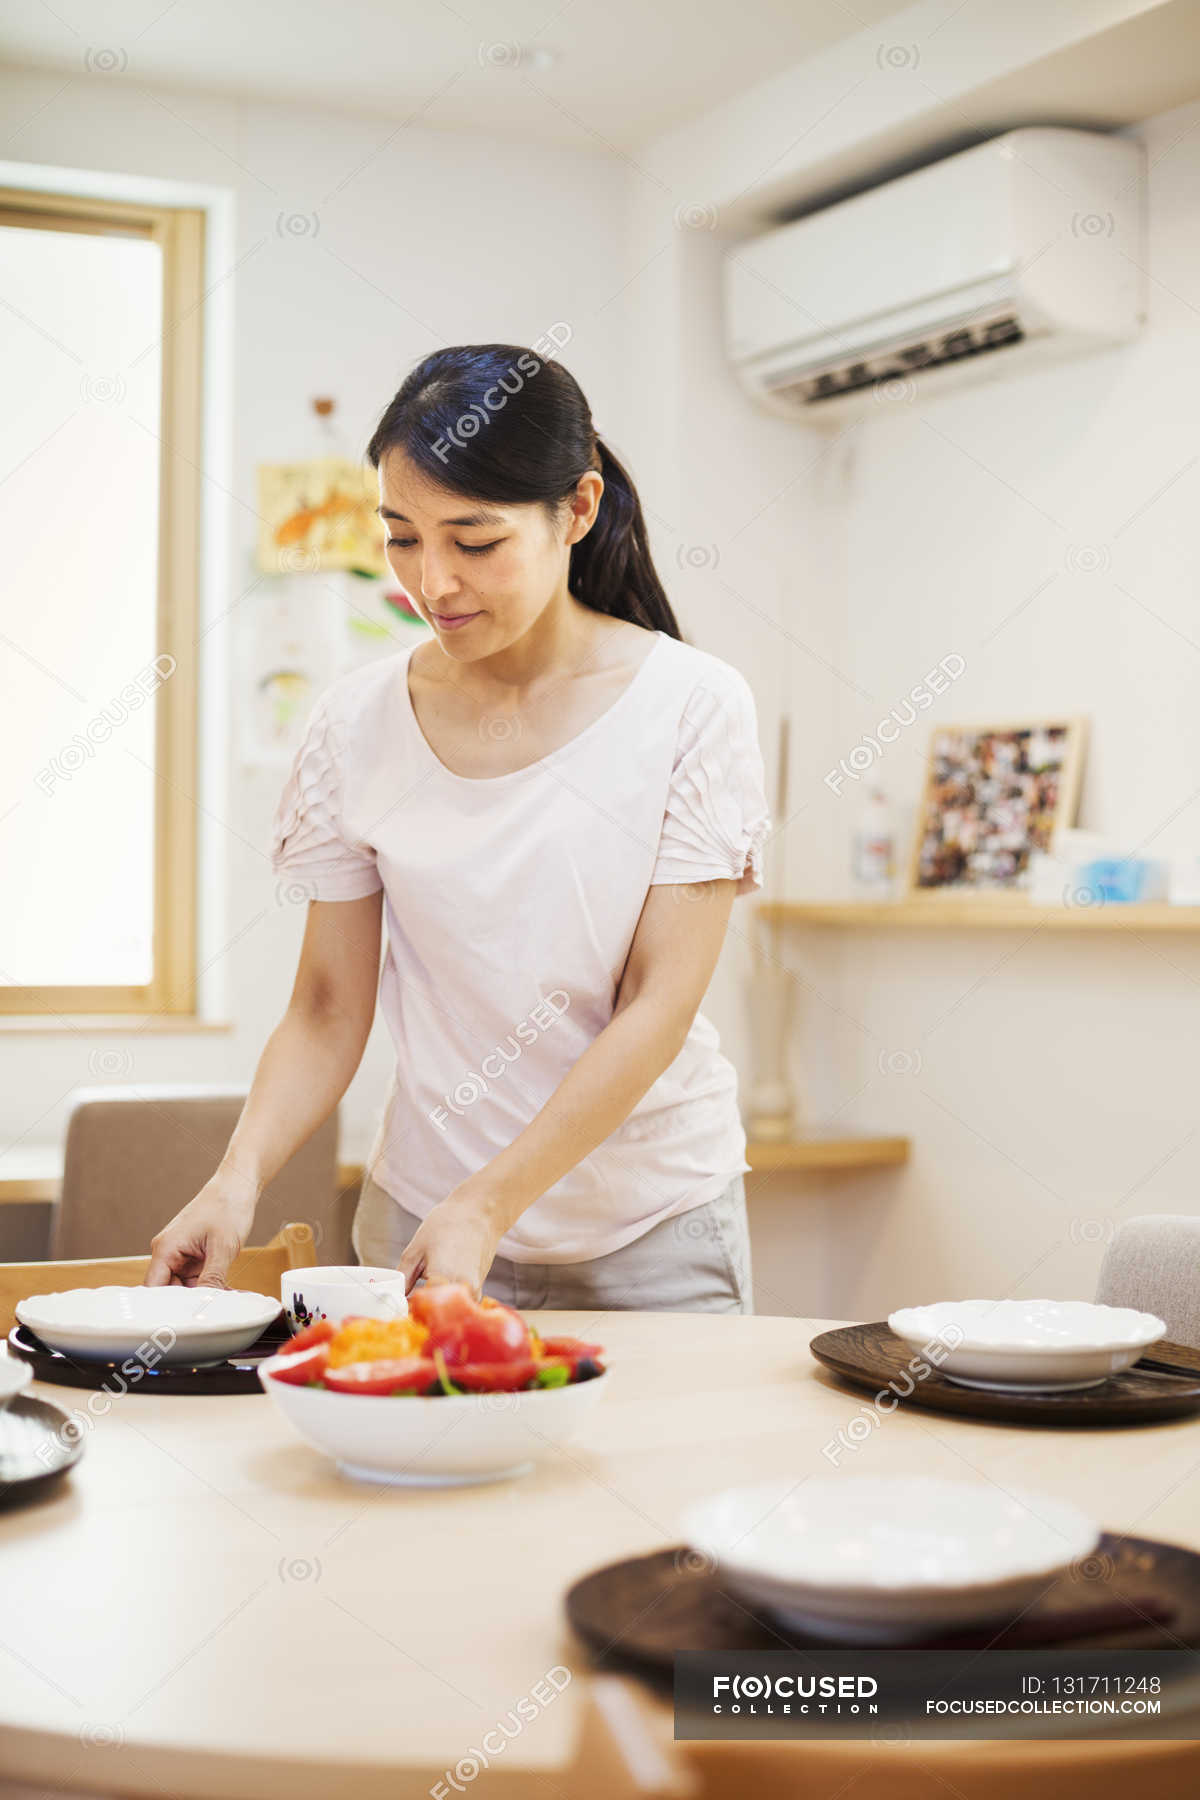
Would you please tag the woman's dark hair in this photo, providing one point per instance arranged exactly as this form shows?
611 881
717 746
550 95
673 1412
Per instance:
498 422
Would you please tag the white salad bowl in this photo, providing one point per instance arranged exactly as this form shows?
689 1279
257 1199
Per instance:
155 1324
442 1440
1038 1346
877 1559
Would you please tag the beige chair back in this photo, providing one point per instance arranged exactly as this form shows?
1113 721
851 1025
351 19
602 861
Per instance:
259 1270
626 1751
134 1156
1153 1264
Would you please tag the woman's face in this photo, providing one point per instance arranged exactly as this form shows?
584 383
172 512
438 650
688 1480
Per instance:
480 573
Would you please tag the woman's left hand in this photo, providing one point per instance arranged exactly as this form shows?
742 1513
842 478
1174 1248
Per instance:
455 1242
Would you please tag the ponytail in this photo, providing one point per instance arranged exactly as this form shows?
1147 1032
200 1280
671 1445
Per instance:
535 443
612 570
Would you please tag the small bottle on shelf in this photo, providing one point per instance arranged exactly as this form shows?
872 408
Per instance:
873 851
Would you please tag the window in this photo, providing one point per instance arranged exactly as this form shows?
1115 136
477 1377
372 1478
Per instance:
100 460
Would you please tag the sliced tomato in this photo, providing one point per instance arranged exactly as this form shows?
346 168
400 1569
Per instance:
569 1346
307 1365
572 1351
464 1329
394 1375
443 1307
317 1333
496 1334
493 1377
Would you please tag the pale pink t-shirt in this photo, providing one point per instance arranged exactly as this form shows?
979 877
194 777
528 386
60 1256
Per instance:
510 905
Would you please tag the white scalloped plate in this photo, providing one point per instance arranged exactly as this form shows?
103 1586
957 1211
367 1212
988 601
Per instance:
1035 1346
15 1377
873 1559
161 1324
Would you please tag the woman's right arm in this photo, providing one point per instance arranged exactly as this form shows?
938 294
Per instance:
307 1065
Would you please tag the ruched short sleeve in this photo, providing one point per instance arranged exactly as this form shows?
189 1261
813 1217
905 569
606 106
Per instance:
309 845
716 820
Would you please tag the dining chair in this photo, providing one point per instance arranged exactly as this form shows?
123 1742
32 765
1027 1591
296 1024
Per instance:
1153 1264
625 1750
259 1269
135 1155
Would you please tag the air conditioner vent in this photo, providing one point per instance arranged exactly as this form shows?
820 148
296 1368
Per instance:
963 341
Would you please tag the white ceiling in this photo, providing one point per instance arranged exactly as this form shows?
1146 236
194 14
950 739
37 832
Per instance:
628 68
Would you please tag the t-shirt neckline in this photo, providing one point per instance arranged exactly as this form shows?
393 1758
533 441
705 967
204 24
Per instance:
551 755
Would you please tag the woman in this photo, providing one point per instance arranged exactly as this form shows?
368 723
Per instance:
552 801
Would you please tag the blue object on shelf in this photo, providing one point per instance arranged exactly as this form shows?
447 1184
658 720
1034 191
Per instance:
1122 881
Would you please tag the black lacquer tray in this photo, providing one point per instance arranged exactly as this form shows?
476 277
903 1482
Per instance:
236 1374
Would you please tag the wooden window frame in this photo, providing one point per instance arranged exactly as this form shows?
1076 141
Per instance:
179 231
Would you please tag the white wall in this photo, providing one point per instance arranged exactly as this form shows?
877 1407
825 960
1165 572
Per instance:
1047 1080
415 238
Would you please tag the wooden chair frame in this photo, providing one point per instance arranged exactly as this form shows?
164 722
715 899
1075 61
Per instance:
259 1269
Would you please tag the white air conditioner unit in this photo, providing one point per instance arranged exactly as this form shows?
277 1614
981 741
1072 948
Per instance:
1026 248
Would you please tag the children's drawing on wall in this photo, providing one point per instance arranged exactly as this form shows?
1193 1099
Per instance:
325 600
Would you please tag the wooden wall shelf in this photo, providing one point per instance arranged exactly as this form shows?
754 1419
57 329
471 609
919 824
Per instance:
979 915
828 1153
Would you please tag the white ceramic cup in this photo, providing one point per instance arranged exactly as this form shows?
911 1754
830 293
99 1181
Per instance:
340 1293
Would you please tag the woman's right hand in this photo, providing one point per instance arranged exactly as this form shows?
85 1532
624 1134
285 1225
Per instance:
197 1247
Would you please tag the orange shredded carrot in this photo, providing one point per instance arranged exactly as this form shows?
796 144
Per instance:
373 1340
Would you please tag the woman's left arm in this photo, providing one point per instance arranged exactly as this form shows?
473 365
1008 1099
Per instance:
670 964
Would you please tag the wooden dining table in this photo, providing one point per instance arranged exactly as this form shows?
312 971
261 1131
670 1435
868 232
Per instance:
205 1607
